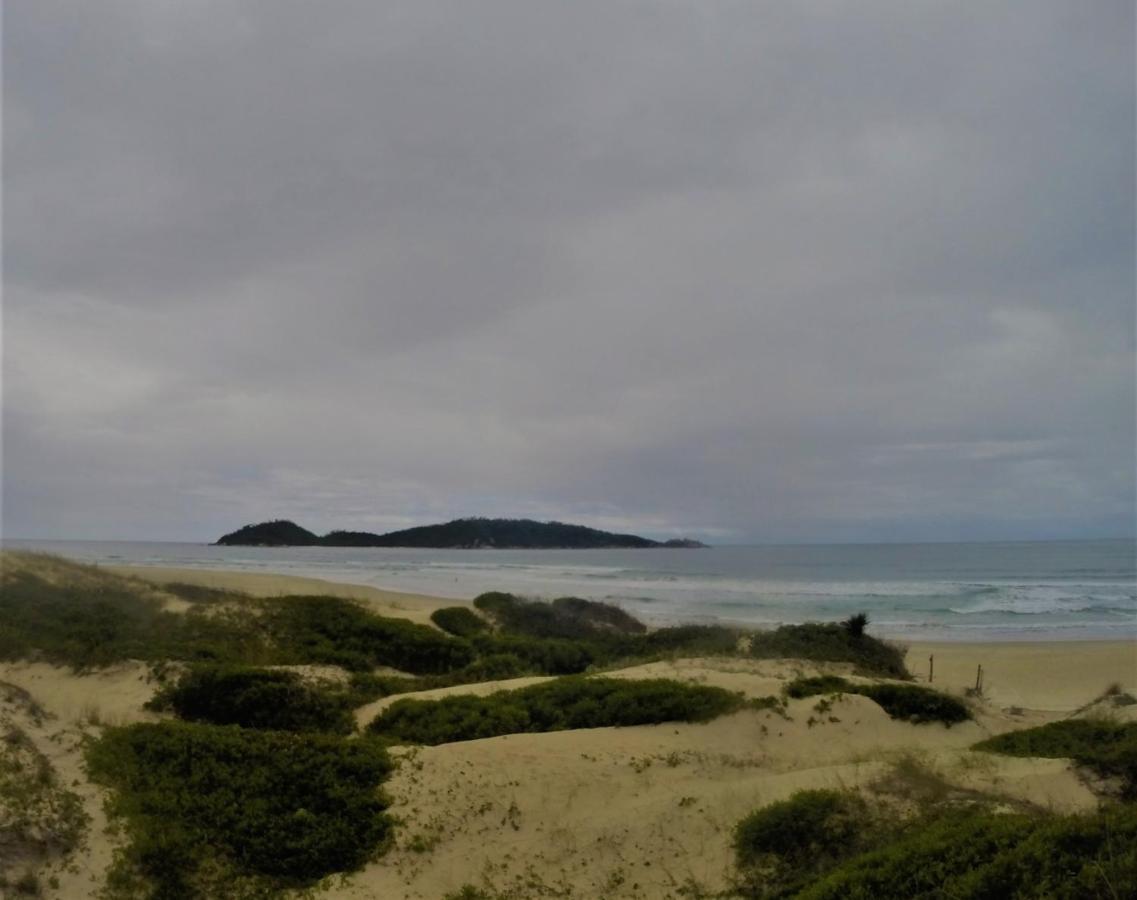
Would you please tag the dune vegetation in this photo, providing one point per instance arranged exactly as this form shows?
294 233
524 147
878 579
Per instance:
85 618
559 705
267 699
836 844
252 776
229 811
1107 748
909 702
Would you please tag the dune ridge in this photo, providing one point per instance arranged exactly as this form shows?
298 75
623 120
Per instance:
643 811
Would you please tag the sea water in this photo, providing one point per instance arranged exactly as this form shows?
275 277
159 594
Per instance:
1049 590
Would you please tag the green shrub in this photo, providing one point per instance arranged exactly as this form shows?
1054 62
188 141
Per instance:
566 618
36 614
799 831
256 698
340 632
495 602
459 621
818 684
601 616
980 854
544 657
565 703
206 804
494 667
1108 748
533 618
363 687
908 702
694 640
856 624
91 619
832 642
915 704
85 618
1064 857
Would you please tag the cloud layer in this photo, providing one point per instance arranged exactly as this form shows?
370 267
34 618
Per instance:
821 271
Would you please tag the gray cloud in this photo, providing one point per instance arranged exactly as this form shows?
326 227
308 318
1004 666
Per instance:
823 272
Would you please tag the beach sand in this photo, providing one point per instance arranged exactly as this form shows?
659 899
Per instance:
416 607
625 812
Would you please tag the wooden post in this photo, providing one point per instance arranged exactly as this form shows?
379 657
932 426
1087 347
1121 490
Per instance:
931 667
979 679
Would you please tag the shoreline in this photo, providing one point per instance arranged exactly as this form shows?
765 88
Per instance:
418 606
1052 675
992 592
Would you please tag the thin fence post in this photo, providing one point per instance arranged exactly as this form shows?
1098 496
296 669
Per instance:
931 668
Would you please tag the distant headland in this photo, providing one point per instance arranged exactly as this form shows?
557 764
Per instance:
460 534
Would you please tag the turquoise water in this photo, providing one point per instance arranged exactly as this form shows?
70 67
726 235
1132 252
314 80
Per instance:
1067 590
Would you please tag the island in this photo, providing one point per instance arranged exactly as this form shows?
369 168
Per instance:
459 534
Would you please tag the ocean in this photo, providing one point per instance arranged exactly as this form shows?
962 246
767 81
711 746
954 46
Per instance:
1044 590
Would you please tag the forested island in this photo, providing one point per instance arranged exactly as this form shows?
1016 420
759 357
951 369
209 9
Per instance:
459 534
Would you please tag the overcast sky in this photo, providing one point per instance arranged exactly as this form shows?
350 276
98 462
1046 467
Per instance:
821 271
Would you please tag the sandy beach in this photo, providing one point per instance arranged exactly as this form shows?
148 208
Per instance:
641 812
416 607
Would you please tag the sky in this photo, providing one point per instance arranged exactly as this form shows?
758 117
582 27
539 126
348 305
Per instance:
751 272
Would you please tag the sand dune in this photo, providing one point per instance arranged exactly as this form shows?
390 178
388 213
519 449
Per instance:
620 812
640 812
416 607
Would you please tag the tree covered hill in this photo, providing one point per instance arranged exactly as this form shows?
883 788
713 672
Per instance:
277 533
471 533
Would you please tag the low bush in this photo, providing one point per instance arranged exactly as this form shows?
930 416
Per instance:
340 632
38 615
908 702
809 825
978 853
566 618
207 806
565 703
915 704
1107 748
832 642
856 624
495 602
818 684
693 640
542 657
493 667
256 698
85 618
459 621
532 618
601 616
363 687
